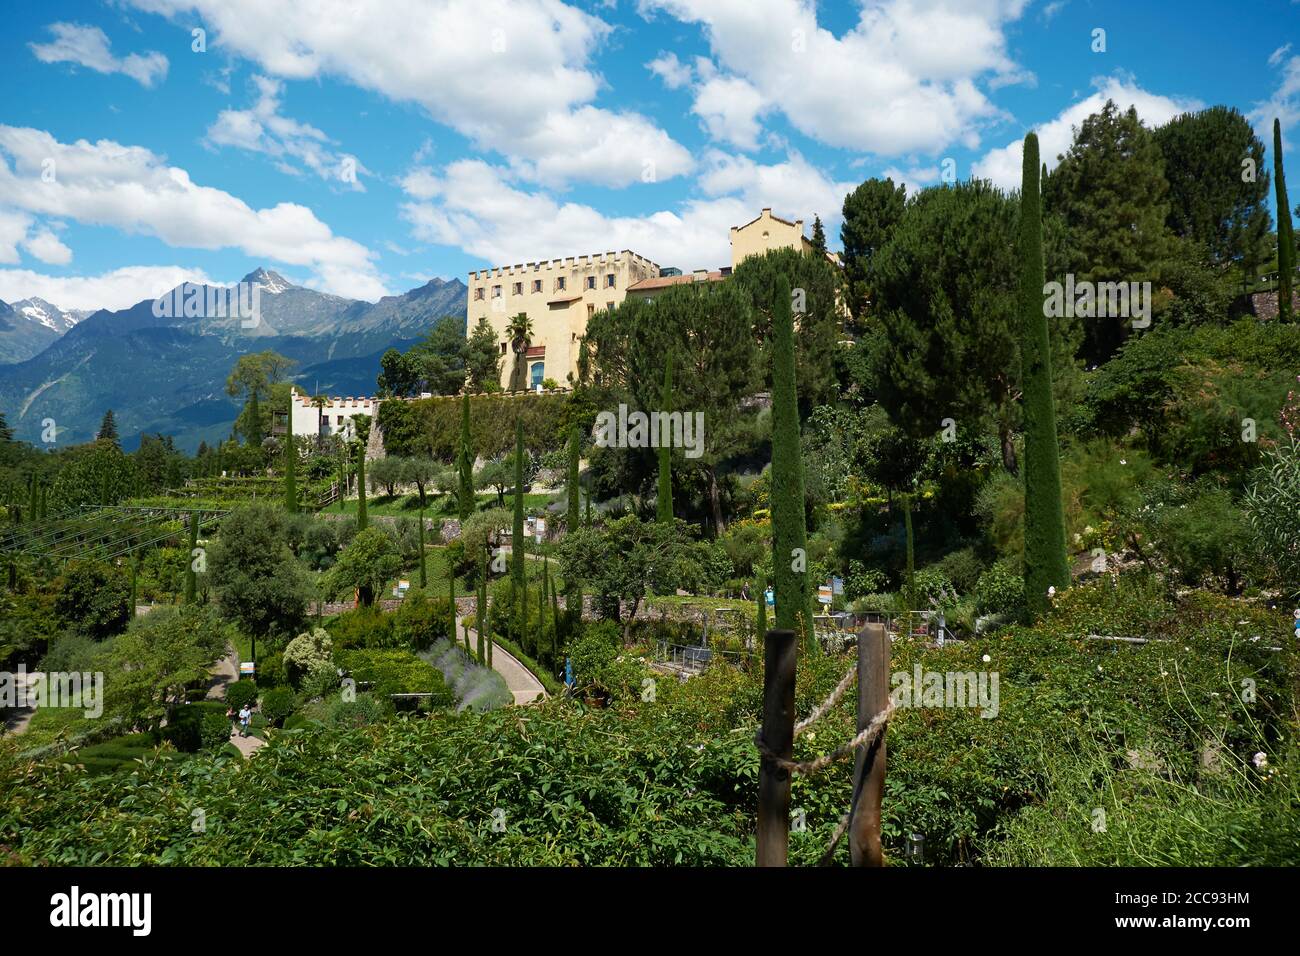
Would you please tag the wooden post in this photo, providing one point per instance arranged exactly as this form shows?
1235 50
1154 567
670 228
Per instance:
869 768
777 734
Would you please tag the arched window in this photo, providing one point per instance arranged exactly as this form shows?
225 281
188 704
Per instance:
537 372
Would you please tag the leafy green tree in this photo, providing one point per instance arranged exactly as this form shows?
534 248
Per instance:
422 472
252 378
483 359
1111 192
625 559
1212 200
1285 233
818 291
424 572
1045 558
191 580
92 598
440 357
789 533
708 330
97 473
399 375
871 212
946 344
365 566
107 428
260 584
151 665
310 652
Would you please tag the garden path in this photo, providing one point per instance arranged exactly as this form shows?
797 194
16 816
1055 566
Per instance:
523 685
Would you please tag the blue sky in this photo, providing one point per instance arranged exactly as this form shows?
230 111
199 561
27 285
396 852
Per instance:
500 131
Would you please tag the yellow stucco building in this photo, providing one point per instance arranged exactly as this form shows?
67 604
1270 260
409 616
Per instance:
560 295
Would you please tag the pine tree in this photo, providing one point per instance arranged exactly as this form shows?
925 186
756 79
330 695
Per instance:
191 580
465 464
424 573
789 532
1045 557
1285 235
290 475
362 518
664 494
517 574
107 428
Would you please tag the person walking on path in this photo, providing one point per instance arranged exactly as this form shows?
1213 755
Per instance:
245 715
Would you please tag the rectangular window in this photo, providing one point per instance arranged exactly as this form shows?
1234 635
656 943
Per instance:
496 292
559 283
518 289
537 285
591 282
503 348
609 280
591 310
478 293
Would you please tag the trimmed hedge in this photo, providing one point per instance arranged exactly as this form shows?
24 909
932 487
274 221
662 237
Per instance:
396 671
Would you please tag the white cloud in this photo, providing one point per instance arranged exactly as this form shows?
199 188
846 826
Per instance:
674 73
474 206
914 179
48 248
903 79
89 47
133 189
119 289
13 230
512 75
1003 165
1284 104
263 129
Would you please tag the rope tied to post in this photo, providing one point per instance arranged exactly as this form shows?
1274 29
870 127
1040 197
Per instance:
807 767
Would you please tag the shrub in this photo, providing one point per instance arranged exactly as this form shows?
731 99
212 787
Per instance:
271 671
241 692
308 652
396 671
421 620
365 711
199 726
362 627
1000 591
863 580
963 568
277 704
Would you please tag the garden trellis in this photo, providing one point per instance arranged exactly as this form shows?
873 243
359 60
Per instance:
103 532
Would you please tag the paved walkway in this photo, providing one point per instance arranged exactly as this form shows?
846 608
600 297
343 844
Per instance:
526 687
224 673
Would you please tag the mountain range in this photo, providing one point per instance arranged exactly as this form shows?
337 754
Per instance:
166 374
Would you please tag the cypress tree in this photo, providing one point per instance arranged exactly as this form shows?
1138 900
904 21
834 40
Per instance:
131 559
573 596
789 533
191 581
911 553
555 628
664 493
762 606
362 519
451 598
480 606
1045 558
465 464
517 574
255 420
290 475
424 573
343 477
1285 235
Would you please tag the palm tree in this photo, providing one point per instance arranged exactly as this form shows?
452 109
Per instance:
520 331
319 402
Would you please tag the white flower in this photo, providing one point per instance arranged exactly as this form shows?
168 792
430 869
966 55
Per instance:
986 658
1051 591
1260 760
1123 461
